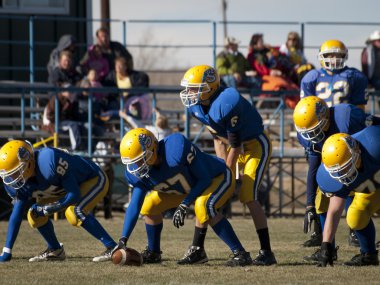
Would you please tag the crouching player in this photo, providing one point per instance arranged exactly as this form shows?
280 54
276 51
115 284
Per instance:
351 163
59 181
179 174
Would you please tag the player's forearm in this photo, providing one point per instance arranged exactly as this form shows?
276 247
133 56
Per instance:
232 157
220 149
334 213
197 190
132 212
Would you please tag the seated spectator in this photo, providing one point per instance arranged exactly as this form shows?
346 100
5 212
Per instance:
293 49
370 59
234 68
68 117
111 49
260 57
65 72
94 59
136 104
65 43
272 67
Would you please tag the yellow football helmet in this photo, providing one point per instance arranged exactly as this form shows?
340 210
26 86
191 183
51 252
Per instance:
16 163
201 82
138 151
340 155
311 118
333 55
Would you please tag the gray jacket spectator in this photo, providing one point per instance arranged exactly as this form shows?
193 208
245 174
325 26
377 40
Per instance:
66 42
371 59
64 73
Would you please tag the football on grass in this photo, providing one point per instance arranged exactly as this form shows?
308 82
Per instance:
128 256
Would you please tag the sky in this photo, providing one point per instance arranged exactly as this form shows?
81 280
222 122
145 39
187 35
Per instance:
201 35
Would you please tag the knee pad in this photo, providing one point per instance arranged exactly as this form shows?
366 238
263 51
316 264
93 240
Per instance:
72 217
357 218
35 221
200 209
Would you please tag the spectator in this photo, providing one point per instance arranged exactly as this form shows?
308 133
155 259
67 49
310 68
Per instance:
293 49
136 104
94 59
270 64
260 57
65 43
65 72
234 68
371 59
111 50
68 117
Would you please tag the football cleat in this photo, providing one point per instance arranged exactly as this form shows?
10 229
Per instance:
239 258
150 256
353 239
194 255
50 255
265 257
315 240
104 256
316 256
364 259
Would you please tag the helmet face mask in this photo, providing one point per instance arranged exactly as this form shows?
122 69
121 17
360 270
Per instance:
315 134
138 166
192 94
311 118
16 163
333 55
14 178
138 151
340 155
200 83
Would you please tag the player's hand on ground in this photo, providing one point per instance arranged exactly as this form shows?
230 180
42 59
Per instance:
179 216
310 217
327 252
122 244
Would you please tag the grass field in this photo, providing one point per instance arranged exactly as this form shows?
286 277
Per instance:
286 236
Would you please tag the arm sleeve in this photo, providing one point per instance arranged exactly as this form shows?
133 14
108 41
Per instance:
73 195
15 222
202 176
311 186
133 211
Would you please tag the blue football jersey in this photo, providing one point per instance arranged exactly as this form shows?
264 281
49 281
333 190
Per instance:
368 179
345 86
57 172
229 112
344 118
176 173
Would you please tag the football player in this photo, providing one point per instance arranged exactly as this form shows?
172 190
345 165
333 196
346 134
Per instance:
59 181
239 136
351 163
314 123
335 83
179 175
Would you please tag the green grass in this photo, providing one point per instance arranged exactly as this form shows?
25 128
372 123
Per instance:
286 235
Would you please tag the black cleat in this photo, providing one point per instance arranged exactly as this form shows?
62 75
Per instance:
239 258
194 255
364 259
316 256
353 239
315 240
265 257
150 256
